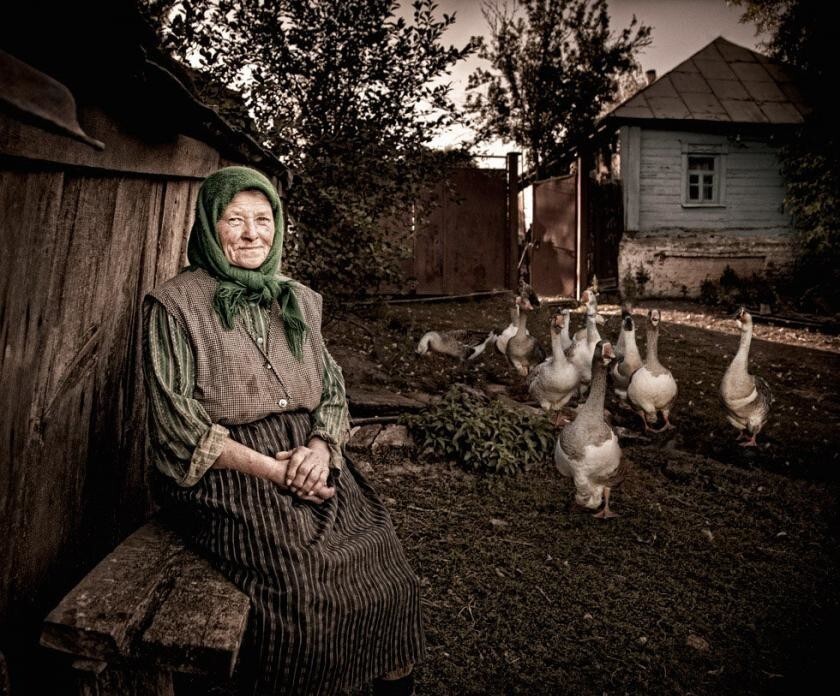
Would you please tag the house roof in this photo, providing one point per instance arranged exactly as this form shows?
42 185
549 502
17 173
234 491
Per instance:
723 83
51 66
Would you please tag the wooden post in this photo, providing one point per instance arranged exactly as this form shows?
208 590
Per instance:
584 228
512 256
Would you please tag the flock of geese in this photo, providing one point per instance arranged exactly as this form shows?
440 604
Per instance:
581 364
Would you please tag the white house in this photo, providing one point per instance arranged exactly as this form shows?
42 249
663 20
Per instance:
699 170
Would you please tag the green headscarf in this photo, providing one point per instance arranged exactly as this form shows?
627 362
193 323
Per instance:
238 286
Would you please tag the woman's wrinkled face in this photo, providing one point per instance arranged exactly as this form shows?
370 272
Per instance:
246 229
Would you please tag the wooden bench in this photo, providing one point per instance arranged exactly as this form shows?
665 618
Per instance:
150 608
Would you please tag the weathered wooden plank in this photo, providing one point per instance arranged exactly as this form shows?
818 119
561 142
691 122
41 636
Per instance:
200 624
116 425
29 208
180 156
101 616
177 214
120 682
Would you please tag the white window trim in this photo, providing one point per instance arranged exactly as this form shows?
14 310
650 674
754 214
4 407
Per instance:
719 153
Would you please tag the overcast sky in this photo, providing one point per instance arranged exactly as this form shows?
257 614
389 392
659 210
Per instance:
680 28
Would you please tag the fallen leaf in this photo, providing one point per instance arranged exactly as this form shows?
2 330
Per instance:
697 643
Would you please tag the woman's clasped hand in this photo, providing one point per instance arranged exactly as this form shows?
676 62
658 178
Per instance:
304 471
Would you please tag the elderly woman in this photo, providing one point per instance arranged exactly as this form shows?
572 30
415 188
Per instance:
246 421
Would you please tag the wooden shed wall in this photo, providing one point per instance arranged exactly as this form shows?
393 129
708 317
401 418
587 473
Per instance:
82 240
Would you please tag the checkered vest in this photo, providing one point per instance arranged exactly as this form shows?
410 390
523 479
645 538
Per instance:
238 379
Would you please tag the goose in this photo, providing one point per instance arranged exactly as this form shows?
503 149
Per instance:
581 351
565 339
587 449
746 398
510 330
455 343
623 367
528 292
626 311
590 299
652 387
554 380
523 351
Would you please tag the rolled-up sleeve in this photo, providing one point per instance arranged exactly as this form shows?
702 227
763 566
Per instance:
331 419
183 441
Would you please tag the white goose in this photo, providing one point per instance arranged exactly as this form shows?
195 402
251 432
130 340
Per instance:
581 351
456 343
554 380
587 449
523 350
623 367
747 398
652 387
590 299
626 311
565 338
510 330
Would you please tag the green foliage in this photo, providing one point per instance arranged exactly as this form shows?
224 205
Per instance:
629 288
802 34
346 94
482 435
554 65
732 290
728 279
642 278
709 292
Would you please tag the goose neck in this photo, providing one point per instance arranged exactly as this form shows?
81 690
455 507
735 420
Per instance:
743 354
521 323
631 349
597 390
652 356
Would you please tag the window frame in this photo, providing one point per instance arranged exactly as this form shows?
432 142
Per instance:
718 154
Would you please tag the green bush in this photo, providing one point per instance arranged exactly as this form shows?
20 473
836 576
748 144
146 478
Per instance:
709 292
482 435
732 290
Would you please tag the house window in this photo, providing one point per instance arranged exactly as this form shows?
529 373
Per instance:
703 176
702 183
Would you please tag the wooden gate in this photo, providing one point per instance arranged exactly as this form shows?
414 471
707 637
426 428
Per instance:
462 238
604 227
554 232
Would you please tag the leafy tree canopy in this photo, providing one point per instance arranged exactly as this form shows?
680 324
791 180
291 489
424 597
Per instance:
346 94
554 65
802 35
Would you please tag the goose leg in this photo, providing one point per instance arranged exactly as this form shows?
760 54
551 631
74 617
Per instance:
559 419
606 513
667 426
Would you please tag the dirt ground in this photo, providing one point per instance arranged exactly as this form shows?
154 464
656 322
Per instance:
720 575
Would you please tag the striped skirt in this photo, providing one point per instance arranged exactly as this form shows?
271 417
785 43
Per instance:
334 602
